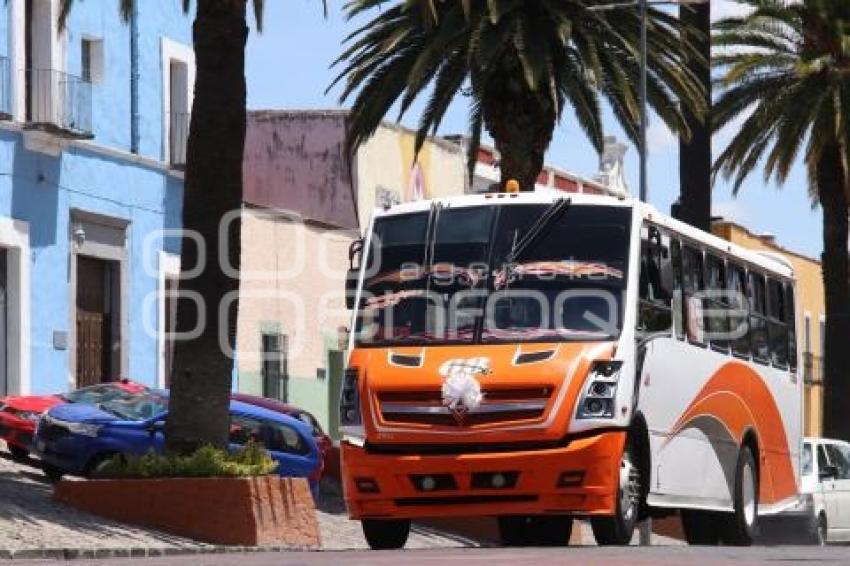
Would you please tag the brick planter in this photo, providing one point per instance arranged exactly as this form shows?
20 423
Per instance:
266 510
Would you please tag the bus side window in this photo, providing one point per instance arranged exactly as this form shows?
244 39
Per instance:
716 303
656 283
758 319
739 327
678 302
777 326
792 326
693 284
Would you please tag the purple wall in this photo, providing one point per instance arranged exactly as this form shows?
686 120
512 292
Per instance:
295 161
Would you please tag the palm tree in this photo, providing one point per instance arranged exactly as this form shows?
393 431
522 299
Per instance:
789 66
519 63
201 375
695 153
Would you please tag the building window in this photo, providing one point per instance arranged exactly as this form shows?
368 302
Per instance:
807 333
91 64
275 370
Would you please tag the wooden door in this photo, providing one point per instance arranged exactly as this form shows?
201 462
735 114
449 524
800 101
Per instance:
94 322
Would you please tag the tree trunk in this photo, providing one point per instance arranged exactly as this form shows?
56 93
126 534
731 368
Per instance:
202 371
832 186
521 123
694 205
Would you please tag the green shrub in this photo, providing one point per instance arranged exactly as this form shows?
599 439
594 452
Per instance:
206 462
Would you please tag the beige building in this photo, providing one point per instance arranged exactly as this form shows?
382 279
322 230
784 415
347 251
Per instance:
810 316
304 205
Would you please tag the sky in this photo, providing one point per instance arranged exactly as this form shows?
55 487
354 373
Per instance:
288 67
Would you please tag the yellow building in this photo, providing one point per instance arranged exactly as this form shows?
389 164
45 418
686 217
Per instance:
810 316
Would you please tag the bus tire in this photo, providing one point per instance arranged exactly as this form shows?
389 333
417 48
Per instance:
535 530
700 527
619 528
386 534
740 528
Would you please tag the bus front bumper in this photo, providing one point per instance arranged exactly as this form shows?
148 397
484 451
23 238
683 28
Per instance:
580 478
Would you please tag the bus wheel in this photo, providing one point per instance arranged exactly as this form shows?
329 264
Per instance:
700 527
618 530
386 534
535 530
741 527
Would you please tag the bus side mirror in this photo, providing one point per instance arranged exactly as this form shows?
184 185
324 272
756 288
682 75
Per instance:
351 278
355 257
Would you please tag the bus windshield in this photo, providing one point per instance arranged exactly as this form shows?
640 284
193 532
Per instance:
462 275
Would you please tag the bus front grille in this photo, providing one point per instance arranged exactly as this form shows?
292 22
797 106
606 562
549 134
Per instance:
499 405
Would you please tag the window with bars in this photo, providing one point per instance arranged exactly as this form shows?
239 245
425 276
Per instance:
275 370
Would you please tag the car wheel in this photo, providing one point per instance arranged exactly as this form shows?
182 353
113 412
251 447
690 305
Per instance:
618 530
700 527
386 534
18 453
535 530
740 528
96 469
53 473
822 531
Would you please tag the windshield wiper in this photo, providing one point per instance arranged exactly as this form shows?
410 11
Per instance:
555 210
552 213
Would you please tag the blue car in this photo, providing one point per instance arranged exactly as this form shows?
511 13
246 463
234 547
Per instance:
78 438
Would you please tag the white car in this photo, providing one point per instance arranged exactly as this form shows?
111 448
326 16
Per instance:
826 478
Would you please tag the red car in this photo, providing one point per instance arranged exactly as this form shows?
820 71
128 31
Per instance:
19 415
322 440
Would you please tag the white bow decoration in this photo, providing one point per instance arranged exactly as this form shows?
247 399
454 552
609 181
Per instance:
461 390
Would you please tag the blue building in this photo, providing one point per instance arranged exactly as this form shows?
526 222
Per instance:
93 127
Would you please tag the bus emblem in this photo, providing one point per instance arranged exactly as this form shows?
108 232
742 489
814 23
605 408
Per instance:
461 389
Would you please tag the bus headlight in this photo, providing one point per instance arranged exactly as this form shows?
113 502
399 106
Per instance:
349 400
600 390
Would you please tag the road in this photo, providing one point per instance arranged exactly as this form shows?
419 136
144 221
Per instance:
585 556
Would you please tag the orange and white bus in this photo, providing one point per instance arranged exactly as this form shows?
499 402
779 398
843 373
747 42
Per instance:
538 357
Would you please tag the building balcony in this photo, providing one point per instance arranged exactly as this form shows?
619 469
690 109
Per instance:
178 138
58 103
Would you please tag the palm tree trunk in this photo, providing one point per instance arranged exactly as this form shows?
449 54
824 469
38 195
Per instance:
521 123
695 154
832 186
202 372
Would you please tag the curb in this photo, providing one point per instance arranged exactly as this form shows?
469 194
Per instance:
138 552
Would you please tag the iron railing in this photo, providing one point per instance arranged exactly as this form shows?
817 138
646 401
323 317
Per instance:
58 103
812 369
5 89
178 138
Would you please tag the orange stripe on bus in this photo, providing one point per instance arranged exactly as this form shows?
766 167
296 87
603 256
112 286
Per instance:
738 398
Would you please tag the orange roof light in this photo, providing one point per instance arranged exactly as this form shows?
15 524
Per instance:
512 186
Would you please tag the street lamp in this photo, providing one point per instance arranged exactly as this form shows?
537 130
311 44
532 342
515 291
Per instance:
644 119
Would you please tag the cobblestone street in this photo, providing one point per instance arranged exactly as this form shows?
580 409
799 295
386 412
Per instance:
31 520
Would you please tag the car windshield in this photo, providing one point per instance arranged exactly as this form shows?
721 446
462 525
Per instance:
137 407
472 275
96 394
